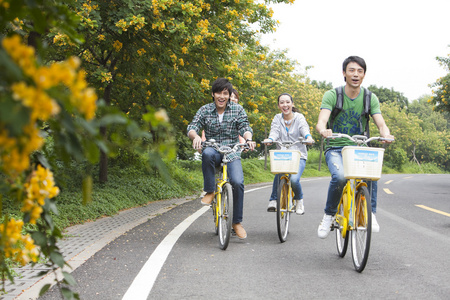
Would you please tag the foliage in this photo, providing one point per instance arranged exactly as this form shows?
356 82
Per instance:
322 85
441 91
48 117
162 52
389 95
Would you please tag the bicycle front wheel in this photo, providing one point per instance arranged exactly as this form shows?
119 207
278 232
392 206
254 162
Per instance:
225 215
341 230
283 209
362 232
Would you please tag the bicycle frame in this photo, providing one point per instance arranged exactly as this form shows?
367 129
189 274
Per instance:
220 181
290 193
346 221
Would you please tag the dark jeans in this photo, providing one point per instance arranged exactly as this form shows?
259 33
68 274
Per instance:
333 157
212 159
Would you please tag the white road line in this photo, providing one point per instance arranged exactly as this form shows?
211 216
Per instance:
143 283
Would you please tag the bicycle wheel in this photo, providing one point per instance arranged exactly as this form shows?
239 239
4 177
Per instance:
225 215
283 200
362 232
341 230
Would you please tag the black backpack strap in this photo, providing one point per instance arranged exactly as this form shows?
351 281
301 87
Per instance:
338 107
366 113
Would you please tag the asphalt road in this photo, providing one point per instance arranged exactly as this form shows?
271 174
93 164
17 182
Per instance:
408 257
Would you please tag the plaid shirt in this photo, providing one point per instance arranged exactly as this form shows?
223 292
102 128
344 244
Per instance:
234 123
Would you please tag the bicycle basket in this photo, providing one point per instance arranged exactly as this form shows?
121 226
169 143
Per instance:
362 162
284 161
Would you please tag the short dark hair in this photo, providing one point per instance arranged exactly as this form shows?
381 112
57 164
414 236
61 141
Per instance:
355 59
222 84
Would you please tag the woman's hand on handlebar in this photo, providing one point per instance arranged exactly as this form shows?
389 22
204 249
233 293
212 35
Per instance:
268 142
309 141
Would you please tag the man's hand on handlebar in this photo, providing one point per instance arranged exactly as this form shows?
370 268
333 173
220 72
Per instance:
251 145
197 143
388 139
326 133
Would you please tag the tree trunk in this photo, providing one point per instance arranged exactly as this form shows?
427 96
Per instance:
103 167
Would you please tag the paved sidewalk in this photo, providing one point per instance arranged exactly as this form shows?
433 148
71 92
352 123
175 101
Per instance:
83 241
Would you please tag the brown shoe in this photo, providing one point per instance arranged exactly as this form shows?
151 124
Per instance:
240 231
207 199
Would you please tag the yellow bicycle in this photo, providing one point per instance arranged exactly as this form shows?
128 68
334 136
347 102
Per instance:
361 164
284 162
222 205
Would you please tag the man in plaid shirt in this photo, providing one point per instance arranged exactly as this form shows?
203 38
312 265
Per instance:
223 121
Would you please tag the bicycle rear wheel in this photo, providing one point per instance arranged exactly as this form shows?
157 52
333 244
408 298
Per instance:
362 232
225 215
283 207
341 229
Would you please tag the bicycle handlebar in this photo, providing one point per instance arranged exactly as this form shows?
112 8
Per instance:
287 145
359 139
226 149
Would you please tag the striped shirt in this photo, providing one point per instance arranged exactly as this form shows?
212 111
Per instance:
234 123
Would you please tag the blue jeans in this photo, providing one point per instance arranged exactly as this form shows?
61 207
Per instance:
212 159
295 183
333 157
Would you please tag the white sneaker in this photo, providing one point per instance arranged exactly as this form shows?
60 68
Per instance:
203 193
325 226
272 205
299 208
375 226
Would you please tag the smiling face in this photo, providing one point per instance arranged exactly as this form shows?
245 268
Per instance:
354 75
285 105
233 98
221 99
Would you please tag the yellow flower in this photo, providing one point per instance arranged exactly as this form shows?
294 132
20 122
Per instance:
117 45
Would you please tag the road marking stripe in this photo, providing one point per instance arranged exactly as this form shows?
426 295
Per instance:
389 181
387 191
433 210
143 283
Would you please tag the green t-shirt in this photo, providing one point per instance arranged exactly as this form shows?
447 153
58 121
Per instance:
347 121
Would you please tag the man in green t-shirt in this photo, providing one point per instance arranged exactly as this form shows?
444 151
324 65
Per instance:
348 121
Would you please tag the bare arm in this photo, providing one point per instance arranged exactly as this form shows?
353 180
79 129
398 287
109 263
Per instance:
321 126
382 127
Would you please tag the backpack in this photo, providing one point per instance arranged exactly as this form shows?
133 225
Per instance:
339 107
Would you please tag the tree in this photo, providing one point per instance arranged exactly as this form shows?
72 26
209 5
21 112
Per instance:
322 85
441 91
162 52
432 121
389 95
